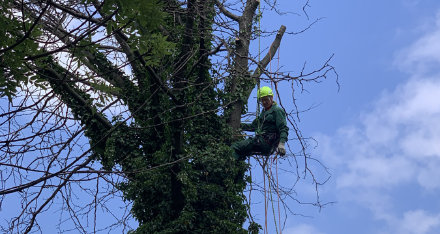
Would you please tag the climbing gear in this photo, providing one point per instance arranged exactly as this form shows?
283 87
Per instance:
264 92
271 138
262 158
281 149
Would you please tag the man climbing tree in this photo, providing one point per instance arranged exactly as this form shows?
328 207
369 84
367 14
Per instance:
131 101
270 129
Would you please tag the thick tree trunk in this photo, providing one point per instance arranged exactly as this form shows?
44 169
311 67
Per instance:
180 80
240 75
251 80
242 82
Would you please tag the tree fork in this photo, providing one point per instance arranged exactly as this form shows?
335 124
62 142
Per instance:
237 107
241 79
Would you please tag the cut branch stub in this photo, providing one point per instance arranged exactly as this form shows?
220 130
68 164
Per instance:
272 51
237 107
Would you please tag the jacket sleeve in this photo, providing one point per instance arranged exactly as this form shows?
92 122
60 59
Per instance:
281 125
249 127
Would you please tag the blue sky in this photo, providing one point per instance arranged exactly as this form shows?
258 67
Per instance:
380 134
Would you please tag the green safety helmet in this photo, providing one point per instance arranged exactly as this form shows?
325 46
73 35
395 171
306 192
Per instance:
264 91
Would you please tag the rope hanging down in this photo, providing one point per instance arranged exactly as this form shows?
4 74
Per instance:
267 169
268 173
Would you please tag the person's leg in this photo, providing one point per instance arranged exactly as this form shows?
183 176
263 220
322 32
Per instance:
262 147
250 146
244 148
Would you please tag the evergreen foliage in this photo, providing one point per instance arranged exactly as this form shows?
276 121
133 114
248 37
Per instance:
180 174
138 77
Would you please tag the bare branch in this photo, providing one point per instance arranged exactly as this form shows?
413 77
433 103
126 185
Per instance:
272 51
226 12
28 32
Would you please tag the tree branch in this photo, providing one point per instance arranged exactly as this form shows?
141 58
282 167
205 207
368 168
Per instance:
251 7
73 93
226 12
28 32
74 13
272 51
73 43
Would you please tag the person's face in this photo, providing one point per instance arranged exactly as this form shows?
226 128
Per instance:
267 102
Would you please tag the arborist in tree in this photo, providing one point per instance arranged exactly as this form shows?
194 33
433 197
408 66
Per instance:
270 129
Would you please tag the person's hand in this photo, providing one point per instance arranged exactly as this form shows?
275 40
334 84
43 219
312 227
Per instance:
281 149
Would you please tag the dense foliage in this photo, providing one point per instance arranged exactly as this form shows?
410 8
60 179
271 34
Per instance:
156 87
174 149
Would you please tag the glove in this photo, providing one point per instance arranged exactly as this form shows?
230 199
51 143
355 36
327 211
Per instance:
281 149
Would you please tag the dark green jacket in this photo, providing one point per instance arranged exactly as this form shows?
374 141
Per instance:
270 121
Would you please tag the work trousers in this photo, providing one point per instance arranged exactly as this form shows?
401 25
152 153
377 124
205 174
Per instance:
251 146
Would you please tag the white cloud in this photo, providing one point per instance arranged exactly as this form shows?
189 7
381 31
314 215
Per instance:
393 143
428 177
418 222
376 172
302 229
395 146
423 54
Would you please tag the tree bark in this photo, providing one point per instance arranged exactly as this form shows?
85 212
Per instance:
242 82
